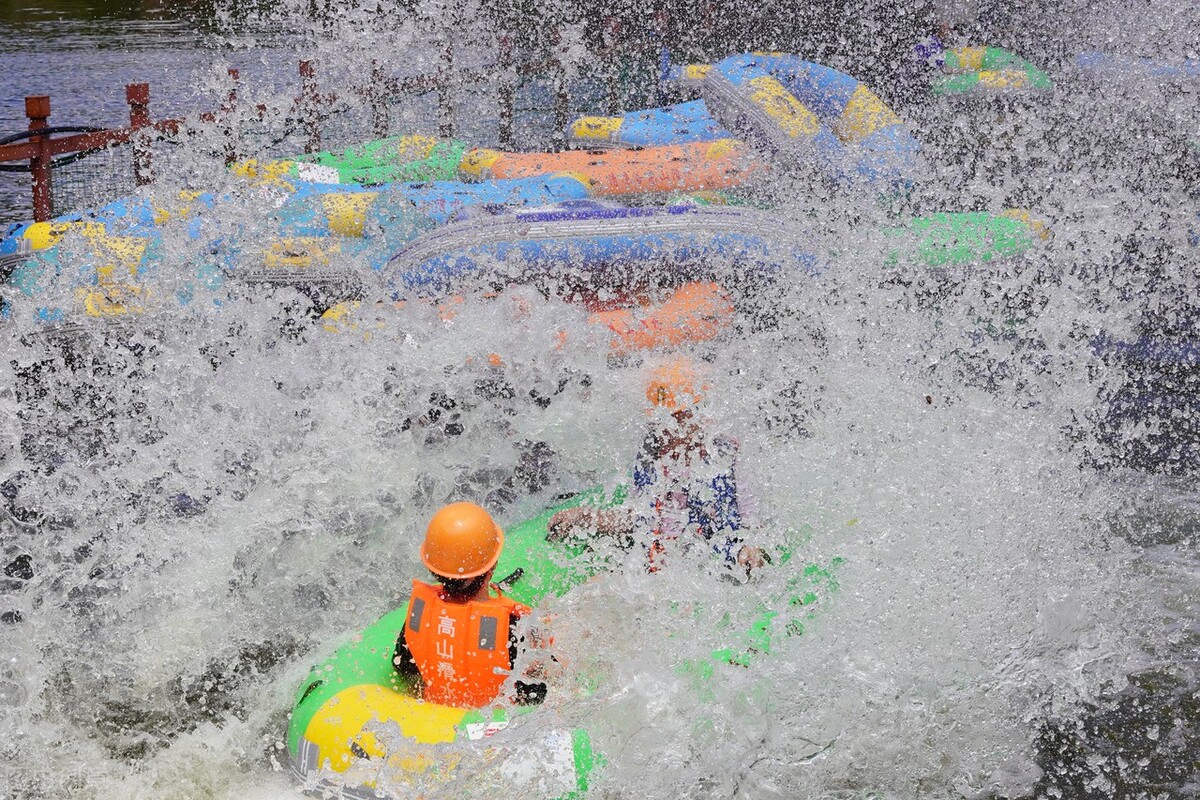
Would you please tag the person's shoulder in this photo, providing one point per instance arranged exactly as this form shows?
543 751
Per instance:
518 610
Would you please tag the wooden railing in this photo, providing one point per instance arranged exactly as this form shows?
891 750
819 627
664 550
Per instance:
40 146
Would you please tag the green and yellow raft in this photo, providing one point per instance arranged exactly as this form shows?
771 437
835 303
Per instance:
396 159
989 70
357 729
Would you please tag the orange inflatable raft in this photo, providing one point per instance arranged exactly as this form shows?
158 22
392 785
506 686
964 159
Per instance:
691 167
695 312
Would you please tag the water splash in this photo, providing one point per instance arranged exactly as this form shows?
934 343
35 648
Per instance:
202 503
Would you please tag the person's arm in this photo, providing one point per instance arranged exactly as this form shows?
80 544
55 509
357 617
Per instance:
586 520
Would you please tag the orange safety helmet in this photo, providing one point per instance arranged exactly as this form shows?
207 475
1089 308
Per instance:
675 384
462 541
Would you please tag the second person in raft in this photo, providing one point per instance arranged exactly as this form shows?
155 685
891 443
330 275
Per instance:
685 487
461 638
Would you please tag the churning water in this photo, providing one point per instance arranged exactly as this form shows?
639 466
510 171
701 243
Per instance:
200 503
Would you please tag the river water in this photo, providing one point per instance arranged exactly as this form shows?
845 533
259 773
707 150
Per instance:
199 506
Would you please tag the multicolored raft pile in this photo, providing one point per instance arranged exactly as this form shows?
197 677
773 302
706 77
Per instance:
411 215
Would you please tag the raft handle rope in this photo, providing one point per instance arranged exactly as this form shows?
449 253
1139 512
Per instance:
312 687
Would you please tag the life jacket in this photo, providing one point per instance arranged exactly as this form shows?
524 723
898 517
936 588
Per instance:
460 648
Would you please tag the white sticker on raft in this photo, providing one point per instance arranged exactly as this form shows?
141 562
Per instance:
479 730
273 196
317 173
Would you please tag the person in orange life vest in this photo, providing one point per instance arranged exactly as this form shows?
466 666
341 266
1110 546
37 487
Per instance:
460 641
684 482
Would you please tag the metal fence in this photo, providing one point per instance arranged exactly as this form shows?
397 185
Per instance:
506 102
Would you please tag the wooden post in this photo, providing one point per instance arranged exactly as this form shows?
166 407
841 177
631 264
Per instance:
507 89
662 32
37 109
231 122
378 99
562 98
137 95
445 100
610 43
310 106
562 112
612 85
